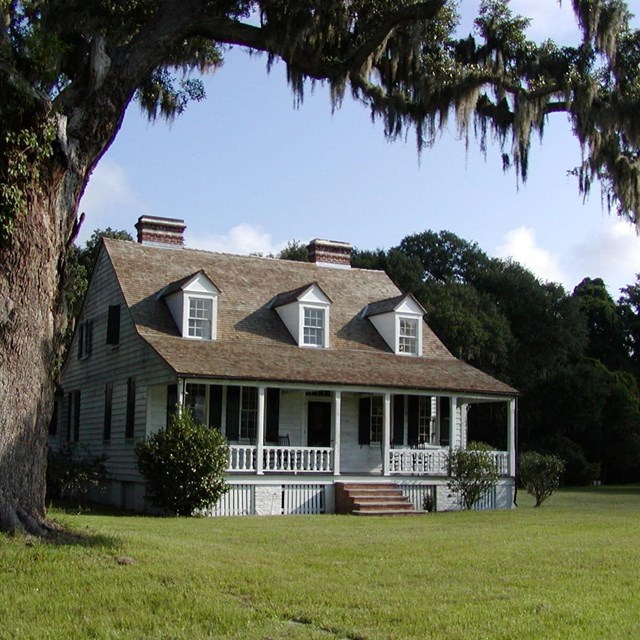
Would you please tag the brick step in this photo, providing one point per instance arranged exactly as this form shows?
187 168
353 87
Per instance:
380 499
369 486
388 512
384 504
374 499
365 495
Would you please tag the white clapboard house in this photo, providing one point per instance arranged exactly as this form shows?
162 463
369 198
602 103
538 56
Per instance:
331 389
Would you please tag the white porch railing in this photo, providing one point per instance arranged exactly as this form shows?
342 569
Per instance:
433 462
281 459
501 458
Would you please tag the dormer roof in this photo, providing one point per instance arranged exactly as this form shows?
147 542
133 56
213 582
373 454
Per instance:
297 294
390 305
183 283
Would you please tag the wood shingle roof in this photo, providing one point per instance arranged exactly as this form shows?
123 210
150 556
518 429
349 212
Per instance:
253 343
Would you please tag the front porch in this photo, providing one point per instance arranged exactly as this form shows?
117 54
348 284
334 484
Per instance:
371 432
288 459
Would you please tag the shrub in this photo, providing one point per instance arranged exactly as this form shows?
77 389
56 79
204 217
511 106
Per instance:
540 474
183 465
473 471
73 470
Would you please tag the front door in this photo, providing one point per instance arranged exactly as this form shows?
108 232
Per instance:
318 424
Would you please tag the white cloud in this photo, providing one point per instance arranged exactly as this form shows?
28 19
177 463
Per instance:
520 245
242 239
610 252
109 200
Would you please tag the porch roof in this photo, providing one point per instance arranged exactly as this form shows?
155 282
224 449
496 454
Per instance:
284 363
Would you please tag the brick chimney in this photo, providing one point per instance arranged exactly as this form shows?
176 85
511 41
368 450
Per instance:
161 232
330 253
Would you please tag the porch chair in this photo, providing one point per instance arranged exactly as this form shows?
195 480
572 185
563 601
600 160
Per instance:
283 441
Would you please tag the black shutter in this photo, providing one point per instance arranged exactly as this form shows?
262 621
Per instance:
233 413
69 412
129 426
273 415
108 402
172 401
76 416
113 325
89 336
80 344
398 420
364 421
215 406
412 417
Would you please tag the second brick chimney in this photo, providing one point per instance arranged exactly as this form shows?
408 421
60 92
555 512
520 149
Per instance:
330 253
161 232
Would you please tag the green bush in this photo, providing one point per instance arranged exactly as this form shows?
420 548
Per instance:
183 465
73 470
540 474
473 471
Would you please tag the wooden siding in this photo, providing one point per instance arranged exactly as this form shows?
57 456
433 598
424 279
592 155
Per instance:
132 357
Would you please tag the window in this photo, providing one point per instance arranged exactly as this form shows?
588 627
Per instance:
113 325
408 336
129 425
85 337
377 418
196 401
200 318
248 413
313 327
108 402
425 422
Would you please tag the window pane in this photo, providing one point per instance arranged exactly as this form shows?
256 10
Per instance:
200 318
377 416
425 421
313 328
249 412
408 337
196 401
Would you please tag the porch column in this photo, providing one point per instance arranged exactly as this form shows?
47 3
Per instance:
453 421
386 433
180 394
511 435
337 413
260 433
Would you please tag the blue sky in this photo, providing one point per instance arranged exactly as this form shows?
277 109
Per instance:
248 172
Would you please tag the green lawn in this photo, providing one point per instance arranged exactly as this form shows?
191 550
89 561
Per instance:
570 569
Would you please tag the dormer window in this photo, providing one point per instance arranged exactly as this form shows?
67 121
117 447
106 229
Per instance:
200 318
399 321
305 313
408 336
193 302
313 327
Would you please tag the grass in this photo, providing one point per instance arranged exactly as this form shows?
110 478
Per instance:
567 570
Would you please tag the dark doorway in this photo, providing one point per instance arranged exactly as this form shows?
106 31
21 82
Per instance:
319 424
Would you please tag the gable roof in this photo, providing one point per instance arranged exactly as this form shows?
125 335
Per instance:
254 344
390 304
293 296
182 283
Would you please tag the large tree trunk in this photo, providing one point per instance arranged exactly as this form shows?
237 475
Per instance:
31 314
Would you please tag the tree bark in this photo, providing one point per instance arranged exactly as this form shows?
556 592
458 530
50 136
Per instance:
31 325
